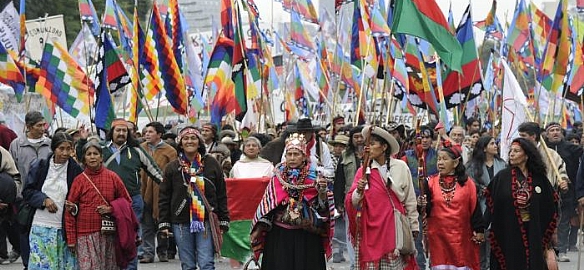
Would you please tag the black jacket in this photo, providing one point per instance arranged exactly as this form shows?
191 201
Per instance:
571 154
174 199
31 192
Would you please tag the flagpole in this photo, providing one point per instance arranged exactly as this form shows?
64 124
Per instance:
362 84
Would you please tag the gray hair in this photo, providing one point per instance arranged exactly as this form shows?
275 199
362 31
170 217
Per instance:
253 139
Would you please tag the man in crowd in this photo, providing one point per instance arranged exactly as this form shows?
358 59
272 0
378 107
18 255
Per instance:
9 177
123 155
570 153
347 167
24 151
162 153
7 135
429 156
209 133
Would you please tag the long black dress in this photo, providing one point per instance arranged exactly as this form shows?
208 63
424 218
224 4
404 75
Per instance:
518 244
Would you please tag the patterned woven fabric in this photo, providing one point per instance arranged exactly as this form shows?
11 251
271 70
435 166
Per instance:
63 81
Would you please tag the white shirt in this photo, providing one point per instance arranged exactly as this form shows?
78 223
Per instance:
55 187
251 168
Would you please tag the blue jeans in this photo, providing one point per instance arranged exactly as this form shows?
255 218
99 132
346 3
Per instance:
138 207
194 244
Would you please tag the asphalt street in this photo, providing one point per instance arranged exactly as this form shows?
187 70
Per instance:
223 264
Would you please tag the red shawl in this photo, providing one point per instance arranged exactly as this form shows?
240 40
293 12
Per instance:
276 195
376 225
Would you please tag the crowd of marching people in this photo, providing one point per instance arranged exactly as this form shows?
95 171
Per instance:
378 196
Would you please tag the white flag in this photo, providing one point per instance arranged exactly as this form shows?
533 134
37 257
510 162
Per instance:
514 105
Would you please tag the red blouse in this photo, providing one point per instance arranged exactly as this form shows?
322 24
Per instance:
84 195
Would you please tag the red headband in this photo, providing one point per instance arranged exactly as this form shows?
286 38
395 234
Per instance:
454 148
118 122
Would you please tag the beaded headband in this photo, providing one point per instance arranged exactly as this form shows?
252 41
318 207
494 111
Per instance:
551 125
296 141
186 131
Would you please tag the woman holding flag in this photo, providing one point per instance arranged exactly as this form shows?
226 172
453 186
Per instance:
389 186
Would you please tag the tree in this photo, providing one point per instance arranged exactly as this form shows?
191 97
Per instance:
39 8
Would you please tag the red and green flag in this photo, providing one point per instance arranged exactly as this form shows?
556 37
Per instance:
424 19
111 76
466 85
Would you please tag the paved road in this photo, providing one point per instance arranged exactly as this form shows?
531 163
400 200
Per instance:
223 264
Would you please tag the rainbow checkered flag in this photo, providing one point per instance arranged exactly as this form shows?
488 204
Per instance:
63 81
9 73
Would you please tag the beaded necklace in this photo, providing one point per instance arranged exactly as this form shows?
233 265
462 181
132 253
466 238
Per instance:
447 189
292 181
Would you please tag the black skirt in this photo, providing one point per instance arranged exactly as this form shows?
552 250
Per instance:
297 249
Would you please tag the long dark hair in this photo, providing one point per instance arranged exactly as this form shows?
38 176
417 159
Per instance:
460 170
130 140
479 157
350 146
534 164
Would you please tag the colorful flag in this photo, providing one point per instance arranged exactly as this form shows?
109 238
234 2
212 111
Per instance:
461 87
305 9
136 93
490 19
243 197
84 47
174 84
379 27
239 65
227 18
88 14
117 76
219 77
10 74
541 27
22 25
298 35
111 76
63 81
109 16
576 79
555 66
149 70
519 38
424 19
176 31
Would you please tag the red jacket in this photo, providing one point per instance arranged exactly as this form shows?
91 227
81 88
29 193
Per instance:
127 231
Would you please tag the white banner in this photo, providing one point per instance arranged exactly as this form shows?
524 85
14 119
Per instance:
39 30
514 104
9 27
